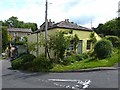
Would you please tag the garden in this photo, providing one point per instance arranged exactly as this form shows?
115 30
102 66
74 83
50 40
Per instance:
105 53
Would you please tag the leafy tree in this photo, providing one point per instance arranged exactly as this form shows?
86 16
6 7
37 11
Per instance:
33 26
5 39
31 47
75 42
14 22
111 27
115 40
93 38
59 43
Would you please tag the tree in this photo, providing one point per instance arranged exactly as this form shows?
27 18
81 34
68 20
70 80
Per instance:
33 26
5 39
111 27
59 43
14 22
93 38
75 42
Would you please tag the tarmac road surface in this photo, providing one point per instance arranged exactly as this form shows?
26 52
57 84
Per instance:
75 80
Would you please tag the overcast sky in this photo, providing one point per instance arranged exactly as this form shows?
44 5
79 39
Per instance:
78 11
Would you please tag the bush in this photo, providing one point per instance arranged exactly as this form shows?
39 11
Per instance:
73 58
16 64
114 39
28 58
23 62
66 61
103 49
41 63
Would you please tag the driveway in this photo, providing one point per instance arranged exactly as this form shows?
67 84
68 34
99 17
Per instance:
20 79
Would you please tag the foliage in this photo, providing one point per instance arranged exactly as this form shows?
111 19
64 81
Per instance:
5 38
17 63
66 61
41 63
82 56
114 39
23 62
103 48
20 40
31 47
111 27
27 58
93 38
89 63
75 42
59 44
73 58
14 22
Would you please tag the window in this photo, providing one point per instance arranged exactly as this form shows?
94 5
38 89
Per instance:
88 44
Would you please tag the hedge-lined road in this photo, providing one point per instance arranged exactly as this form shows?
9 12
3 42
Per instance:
20 79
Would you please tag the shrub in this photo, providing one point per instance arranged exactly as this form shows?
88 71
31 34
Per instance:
23 62
114 39
80 57
27 57
103 48
66 61
41 63
16 64
77 57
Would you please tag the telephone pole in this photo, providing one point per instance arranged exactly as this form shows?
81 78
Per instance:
91 23
46 27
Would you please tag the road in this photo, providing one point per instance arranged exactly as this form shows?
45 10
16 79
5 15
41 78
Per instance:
20 79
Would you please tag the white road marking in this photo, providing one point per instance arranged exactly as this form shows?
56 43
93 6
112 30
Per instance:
85 84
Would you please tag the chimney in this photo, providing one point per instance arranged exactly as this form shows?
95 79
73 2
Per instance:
66 20
49 20
50 23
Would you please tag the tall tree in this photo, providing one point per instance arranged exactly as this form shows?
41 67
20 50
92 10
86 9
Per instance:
111 27
59 43
5 37
14 22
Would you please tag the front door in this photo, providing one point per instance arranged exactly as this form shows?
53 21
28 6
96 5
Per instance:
79 49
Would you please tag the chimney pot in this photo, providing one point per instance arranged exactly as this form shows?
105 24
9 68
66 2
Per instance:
49 20
66 20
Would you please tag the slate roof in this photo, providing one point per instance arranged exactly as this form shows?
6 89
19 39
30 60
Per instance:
63 24
25 30
69 25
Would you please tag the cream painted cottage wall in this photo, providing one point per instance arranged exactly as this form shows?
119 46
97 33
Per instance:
82 34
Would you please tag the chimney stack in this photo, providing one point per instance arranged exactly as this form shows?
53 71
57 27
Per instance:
49 20
66 20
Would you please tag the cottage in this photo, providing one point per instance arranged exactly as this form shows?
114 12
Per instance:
19 32
83 34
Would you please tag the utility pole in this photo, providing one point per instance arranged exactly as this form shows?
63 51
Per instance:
46 27
91 23
37 53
